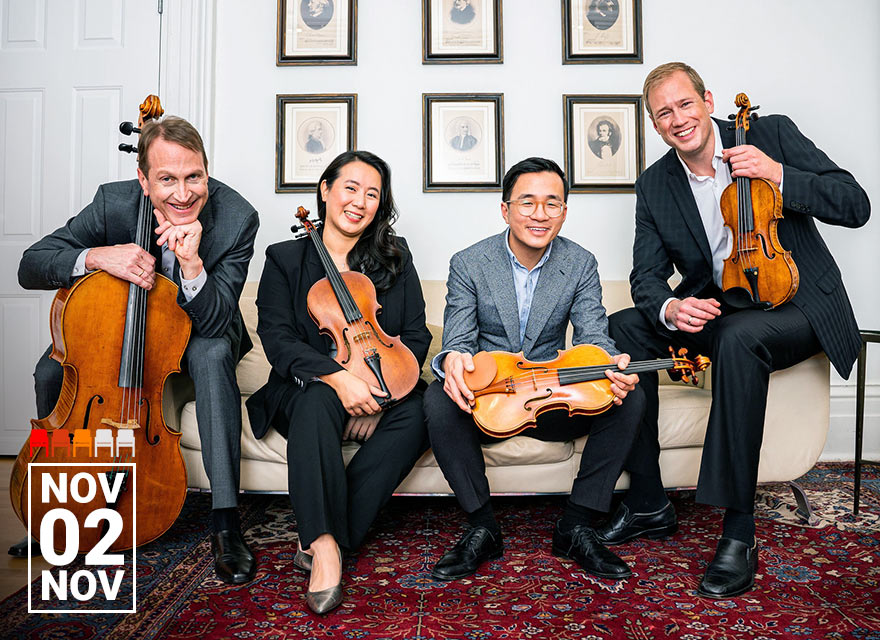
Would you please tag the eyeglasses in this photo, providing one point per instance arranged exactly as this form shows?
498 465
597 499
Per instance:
527 207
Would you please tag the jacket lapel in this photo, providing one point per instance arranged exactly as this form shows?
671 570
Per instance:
548 292
208 220
499 277
687 206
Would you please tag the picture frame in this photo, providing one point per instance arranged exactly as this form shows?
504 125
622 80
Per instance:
317 32
604 142
462 31
601 31
462 141
310 131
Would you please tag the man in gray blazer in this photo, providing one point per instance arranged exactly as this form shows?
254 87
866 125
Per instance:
517 291
204 241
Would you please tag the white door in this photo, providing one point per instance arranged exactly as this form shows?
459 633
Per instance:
70 71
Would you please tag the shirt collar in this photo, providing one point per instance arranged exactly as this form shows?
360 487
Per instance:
516 262
716 157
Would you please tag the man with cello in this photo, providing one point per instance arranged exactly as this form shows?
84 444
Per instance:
518 291
204 241
680 224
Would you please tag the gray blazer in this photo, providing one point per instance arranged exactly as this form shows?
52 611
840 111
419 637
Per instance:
481 311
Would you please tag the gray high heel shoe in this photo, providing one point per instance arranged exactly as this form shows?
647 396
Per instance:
326 600
302 560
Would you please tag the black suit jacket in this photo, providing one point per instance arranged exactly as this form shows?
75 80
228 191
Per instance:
669 233
229 226
293 345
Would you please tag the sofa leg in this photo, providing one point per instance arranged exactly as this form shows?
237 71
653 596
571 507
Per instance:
803 511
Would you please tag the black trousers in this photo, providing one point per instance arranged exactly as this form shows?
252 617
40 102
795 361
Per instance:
745 347
211 365
326 496
455 440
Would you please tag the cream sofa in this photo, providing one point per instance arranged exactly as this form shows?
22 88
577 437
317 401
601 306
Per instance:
796 426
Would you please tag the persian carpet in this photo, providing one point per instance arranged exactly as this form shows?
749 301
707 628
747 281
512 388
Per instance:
820 581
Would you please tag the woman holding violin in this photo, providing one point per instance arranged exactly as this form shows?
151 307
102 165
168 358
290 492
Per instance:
314 395
517 291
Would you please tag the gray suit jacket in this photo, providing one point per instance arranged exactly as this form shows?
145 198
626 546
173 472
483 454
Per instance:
481 311
229 225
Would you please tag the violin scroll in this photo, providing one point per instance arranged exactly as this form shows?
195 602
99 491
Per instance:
687 368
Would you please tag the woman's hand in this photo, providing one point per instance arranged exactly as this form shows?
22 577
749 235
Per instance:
360 428
355 395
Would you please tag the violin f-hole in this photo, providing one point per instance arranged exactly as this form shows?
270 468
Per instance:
347 346
376 335
526 404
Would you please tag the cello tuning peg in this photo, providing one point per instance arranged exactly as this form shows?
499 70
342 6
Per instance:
127 128
731 116
730 127
756 107
127 148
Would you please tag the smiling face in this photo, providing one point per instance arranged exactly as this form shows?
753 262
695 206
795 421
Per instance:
530 235
177 181
352 199
681 117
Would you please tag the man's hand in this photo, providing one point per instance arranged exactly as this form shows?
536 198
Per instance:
454 365
747 161
621 383
691 314
125 261
355 395
184 241
360 428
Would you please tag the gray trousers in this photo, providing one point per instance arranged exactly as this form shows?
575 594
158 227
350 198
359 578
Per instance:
211 365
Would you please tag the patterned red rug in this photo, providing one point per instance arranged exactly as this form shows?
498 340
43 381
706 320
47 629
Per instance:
813 582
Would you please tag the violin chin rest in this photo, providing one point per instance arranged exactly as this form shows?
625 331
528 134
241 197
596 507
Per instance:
485 370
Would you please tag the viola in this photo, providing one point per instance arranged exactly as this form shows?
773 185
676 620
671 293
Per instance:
118 343
759 273
344 306
510 392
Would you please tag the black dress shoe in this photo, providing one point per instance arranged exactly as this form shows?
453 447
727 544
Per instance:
24 548
625 525
732 570
233 560
581 545
475 547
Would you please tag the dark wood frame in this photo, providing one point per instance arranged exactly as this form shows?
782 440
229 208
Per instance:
281 127
428 99
602 58
287 60
568 102
461 58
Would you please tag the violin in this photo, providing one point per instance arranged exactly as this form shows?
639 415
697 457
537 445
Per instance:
510 392
344 306
759 273
117 343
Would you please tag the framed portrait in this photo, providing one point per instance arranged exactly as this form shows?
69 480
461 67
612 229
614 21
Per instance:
461 31
604 142
463 141
599 31
317 32
310 131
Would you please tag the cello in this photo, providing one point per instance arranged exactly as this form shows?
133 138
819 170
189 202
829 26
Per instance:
510 392
759 273
113 340
344 306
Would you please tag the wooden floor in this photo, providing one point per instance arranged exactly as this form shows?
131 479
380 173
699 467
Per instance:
13 571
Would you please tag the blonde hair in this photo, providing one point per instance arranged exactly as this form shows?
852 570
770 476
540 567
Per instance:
662 72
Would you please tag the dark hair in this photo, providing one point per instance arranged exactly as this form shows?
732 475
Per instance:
172 129
376 252
531 165
605 122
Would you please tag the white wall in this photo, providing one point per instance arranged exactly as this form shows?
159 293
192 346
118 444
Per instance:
796 57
